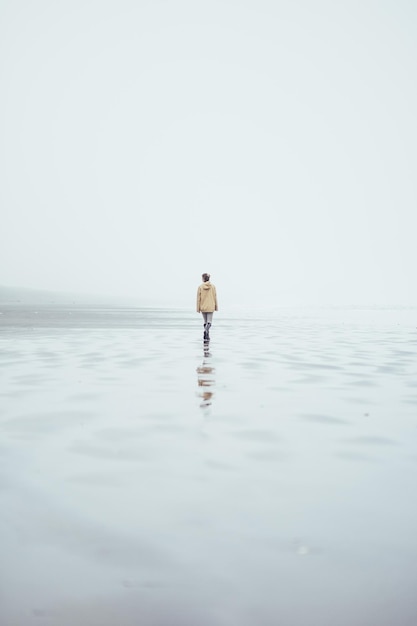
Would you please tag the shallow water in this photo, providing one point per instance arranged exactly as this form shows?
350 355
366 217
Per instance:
270 481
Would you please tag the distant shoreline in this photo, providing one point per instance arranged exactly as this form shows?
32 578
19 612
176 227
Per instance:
40 297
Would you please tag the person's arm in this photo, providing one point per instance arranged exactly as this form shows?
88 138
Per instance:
215 300
198 300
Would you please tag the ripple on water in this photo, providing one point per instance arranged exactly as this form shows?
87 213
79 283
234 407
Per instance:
267 455
219 466
410 399
251 365
323 419
113 453
31 379
397 368
263 436
372 440
40 423
87 396
357 457
98 479
358 400
118 434
310 379
362 383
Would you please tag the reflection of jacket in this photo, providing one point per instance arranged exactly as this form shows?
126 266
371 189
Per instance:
206 298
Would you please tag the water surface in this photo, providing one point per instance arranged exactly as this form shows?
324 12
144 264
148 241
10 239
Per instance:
269 478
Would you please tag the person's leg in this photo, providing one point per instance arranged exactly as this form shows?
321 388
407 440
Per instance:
205 324
208 323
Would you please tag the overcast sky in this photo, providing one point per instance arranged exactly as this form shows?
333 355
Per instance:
272 143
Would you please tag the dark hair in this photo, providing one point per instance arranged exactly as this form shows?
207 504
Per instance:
205 277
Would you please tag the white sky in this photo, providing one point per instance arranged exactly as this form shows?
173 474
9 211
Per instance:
270 143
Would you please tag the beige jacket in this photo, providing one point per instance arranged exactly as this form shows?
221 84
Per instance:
206 298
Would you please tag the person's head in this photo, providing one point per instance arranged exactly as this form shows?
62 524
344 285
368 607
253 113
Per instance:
205 277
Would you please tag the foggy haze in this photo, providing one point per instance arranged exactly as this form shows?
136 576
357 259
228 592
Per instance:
271 144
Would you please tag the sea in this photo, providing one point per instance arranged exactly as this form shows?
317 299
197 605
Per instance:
266 478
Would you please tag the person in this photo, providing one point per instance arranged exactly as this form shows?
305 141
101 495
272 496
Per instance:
206 303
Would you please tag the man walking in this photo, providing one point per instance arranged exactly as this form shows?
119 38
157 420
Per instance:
206 303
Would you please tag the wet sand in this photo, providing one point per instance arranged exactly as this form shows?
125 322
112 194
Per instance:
268 480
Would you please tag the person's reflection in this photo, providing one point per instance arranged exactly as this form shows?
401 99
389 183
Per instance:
206 346
205 380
